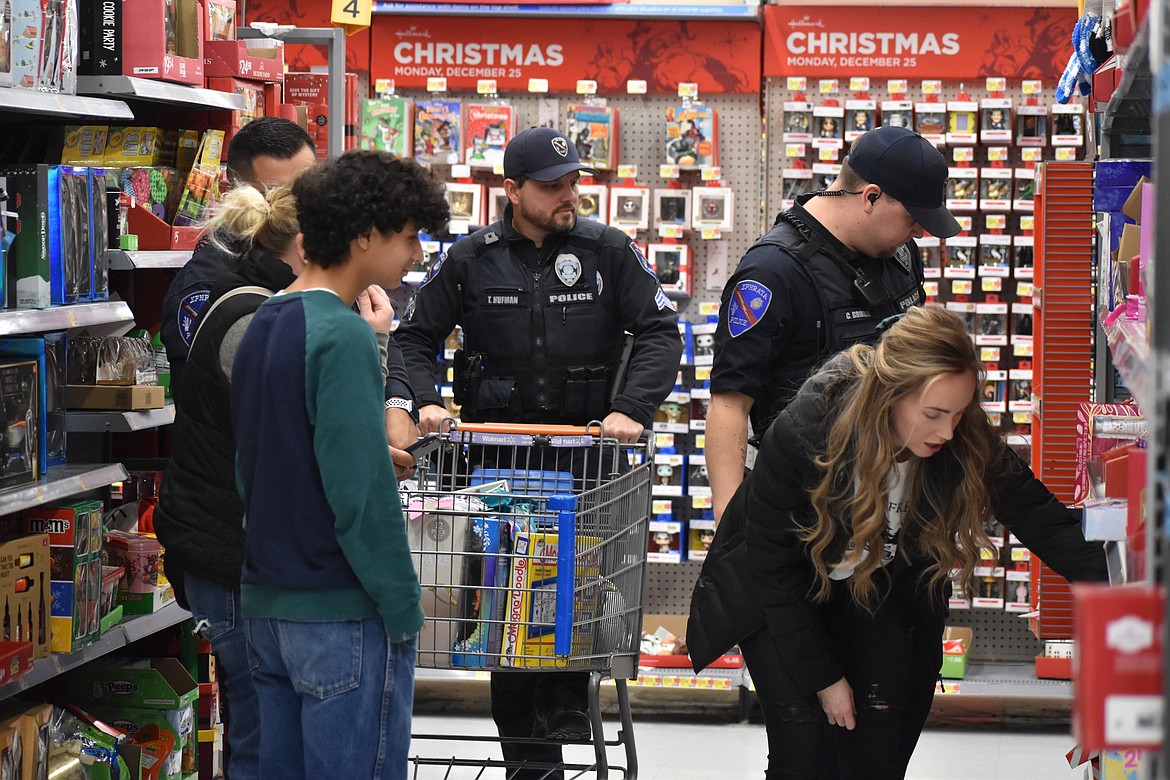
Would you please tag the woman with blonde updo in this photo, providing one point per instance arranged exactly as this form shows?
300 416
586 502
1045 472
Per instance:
831 566
199 514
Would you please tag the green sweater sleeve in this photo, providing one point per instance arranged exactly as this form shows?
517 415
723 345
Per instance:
344 393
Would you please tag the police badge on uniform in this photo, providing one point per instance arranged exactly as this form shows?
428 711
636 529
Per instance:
749 302
568 269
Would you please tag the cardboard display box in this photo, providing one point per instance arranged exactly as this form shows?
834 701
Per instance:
25 589
956 650
126 398
145 54
256 60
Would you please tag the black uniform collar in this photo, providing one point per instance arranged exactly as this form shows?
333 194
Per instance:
804 216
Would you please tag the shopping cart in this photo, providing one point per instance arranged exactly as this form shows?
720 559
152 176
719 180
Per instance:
498 518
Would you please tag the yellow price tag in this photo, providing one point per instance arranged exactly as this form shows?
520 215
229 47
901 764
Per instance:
794 150
1030 155
498 168
662 506
700 441
997 154
486 86
708 309
932 87
1027 223
989 354
987 554
1021 553
586 87
711 234
964 154
1066 153
700 502
964 223
930 288
702 373
859 83
627 171
1024 289
538 85
897 86
996 84
828 86
797 83
996 221
991 283
672 231
709 173
688 89
632 232
827 153
351 15
668 171
384 85
1032 87
961 286
1023 349
450 375
436 84
636 87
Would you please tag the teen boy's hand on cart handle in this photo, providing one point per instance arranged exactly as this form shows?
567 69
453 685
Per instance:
622 427
837 702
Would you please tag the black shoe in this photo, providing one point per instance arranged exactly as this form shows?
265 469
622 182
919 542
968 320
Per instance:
562 725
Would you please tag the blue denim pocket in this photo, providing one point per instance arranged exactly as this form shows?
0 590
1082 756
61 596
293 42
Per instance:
324 658
212 605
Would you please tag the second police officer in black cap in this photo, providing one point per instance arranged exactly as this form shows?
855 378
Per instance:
545 301
829 271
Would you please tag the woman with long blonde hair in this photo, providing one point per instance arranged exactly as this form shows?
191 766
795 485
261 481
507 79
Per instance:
831 567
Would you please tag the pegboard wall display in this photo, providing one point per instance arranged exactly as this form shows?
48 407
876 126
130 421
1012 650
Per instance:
642 143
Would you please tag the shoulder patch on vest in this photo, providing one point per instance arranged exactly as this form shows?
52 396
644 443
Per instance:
749 303
434 270
189 309
642 261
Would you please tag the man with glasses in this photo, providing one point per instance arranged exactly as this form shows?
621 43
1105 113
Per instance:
829 271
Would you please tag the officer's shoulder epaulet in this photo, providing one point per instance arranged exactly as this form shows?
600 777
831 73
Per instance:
486 238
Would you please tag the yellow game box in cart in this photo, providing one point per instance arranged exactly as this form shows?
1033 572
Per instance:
531 617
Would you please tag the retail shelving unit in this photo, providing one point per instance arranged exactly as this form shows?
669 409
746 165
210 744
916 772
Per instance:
129 261
131 88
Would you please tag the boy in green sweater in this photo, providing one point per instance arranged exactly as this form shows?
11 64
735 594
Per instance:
330 596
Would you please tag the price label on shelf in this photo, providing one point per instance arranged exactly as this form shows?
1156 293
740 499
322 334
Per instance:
1024 289
1022 349
828 153
1021 418
997 154
632 232
627 171
688 89
709 309
964 154
460 171
930 287
964 223
701 502
1032 87
996 221
996 84
662 506
670 231
498 168
859 83
961 287
636 87
991 283
486 86
1027 223
932 87
897 86
709 173
989 354
1031 154
828 86
703 373
1066 153
538 85
711 233
794 150
797 83
668 171
436 84
586 87
384 85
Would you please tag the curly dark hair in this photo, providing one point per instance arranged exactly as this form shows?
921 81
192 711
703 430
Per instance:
342 199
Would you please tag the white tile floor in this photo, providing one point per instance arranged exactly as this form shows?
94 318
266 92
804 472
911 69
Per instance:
679 750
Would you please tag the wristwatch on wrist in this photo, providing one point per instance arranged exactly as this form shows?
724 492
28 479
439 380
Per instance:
405 404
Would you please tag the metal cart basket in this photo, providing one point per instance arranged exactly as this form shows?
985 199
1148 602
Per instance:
530 545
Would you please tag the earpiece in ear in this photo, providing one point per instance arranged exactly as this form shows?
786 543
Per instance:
873 198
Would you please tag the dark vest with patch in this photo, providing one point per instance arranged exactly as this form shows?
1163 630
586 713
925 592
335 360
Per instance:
847 315
539 344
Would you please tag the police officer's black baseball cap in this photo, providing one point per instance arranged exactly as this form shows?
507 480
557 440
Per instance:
907 167
543 154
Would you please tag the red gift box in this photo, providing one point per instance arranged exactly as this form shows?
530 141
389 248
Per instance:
145 52
255 60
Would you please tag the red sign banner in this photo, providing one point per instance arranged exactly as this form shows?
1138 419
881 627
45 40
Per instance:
932 42
721 57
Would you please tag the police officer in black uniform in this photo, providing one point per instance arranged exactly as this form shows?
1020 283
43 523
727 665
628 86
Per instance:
545 301
829 271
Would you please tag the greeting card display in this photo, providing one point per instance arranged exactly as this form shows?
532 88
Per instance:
629 207
593 129
489 128
672 264
387 124
672 207
466 202
497 202
593 202
898 113
692 136
798 122
860 117
438 128
1031 126
995 189
714 207
996 120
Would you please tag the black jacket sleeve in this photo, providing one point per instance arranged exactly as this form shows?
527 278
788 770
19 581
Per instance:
646 313
397 380
429 319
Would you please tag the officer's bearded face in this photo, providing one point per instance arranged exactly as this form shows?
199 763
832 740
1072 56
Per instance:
550 206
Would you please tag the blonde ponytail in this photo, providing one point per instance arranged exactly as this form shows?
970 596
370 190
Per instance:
267 220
